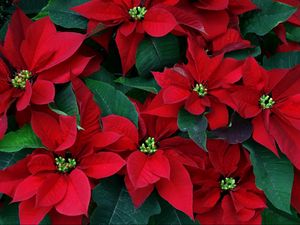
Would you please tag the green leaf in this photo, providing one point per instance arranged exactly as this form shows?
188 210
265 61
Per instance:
154 54
273 175
282 60
60 13
103 75
8 159
195 126
112 101
9 214
3 30
146 84
115 205
292 32
23 138
32 6
271 216
244 53
169 215
268 16
65 101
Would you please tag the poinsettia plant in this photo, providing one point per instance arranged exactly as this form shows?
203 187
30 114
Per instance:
150 112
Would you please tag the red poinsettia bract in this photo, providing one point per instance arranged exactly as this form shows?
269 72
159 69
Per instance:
59 183
271 99
225 191
200 84
134 19
33 58
225 10
154 158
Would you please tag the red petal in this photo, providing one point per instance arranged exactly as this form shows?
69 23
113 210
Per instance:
204 200
59 219
159 108
178 191
52 190
127 49
159 164
289 84
120 125
158 22
173 94
78 194
224 157
238 7
229 213
66 71
171 77
14 37
213 27
3 125
295 200
262 135
56 135
12 176
27 188
102 11
42 92
212 4
41 163
32 48
30 214
104 139
139 195
101 165
254 75
187 16
218 115
246 101
195 105
24 100
248 199
89 112
140 171
230 41
287 138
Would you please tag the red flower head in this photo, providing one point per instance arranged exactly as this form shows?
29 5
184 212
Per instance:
45 181
155 159
31 64
271 99
202 83
134 18
225 191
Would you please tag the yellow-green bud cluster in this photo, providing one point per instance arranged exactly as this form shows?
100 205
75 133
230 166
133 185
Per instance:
200 89
149 146
137 13
63 165
227 184
266 102
20 79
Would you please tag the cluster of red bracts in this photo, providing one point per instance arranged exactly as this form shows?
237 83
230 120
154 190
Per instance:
217 187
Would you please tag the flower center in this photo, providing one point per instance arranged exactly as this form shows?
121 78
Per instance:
227 184
148 146
200 89
137 13
19 81
266 102
63 165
